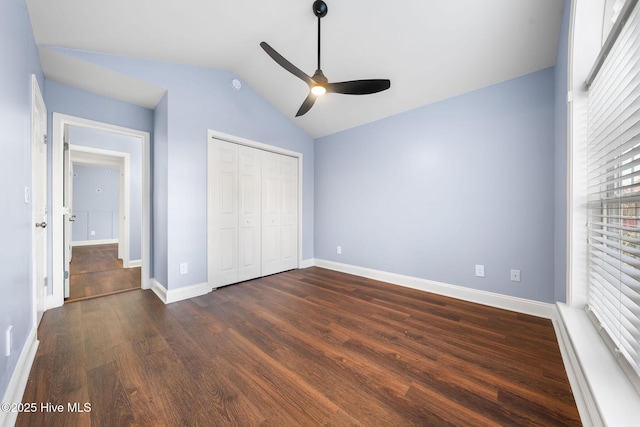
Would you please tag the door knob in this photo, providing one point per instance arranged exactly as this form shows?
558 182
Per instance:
41 224
72 218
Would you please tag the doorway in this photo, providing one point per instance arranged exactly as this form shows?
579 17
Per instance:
102 226
64 127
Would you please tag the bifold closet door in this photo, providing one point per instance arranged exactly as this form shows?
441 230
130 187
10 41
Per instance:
235 213
249 213
223 213
279 213
253 213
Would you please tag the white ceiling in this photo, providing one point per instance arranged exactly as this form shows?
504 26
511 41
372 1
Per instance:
429 49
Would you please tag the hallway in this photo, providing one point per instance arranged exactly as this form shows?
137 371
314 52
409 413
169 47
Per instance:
96 271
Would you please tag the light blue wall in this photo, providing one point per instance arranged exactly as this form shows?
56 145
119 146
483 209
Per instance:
160 166
431 192
64 99
96 201
199 99
124 144
560 167
68 100
19 62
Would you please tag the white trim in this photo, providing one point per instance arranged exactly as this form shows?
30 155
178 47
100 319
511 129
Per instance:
604 394
585 41
94 242
60 121
306 263
133 263
18 381
582 395
251 143
168 296
506 302
158 289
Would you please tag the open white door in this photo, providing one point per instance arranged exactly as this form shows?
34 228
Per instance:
38 198
68 212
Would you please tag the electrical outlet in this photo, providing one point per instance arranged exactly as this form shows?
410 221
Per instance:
184 268
479 270
339 250
93 232
515 275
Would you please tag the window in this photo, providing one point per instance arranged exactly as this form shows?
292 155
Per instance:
614 192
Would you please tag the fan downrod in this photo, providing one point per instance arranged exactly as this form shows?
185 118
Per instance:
320 8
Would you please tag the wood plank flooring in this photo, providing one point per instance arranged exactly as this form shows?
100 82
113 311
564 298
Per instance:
96 271
302 348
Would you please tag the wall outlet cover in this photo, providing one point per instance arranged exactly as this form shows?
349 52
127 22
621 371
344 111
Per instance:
184 268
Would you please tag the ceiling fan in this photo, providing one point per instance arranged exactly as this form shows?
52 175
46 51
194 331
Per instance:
318 83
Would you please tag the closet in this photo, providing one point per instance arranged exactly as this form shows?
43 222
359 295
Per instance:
252 213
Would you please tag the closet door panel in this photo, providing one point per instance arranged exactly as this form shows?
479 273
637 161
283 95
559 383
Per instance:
289 212
250 213
271 211
223 193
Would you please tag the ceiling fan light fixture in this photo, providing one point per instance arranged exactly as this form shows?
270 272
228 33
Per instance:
318 90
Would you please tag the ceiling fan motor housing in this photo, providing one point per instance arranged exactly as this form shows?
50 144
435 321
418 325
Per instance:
320 8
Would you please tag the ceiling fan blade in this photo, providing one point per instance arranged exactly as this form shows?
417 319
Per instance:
307 104
359 87
286 64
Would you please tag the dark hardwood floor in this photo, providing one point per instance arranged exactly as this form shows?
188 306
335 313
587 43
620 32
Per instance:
96 271
303 348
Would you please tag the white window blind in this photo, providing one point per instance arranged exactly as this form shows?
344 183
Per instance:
614 195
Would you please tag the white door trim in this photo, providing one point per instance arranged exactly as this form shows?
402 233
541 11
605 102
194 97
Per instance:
212 134
60 121
112 159
39 294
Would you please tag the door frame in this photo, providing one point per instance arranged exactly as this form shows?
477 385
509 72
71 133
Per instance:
60 123
98 157
39 298
212 134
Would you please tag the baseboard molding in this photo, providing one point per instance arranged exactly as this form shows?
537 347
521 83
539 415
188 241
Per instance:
306 263
94 242
506 302
133 263
19 378
168 296
603 393
52 303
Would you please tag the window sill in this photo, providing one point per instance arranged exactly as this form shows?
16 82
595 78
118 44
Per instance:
603 393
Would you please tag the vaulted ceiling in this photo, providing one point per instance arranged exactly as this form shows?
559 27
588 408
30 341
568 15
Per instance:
429 49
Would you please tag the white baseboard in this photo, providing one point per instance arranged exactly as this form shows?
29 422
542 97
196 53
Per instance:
52 303
306 263
134 263
168 296
19 378
94 242
520 305
603 393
